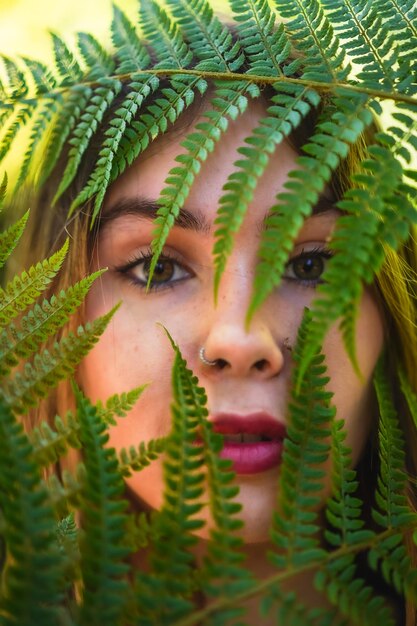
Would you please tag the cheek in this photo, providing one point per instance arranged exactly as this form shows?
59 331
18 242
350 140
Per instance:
354 396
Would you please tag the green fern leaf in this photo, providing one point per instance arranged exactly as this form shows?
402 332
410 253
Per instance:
21 118
3 189
306 448
49 367
66 64
314 37
172 560
119 404
266 46
228 102
367 38
42 321
326 148
392 509
31 594
290 105
11 237
351 595
99 62
42 120
102 97
409 395
164 35
131 54
65 492
50 444
104 550
17 87
22 290
135 459
292 612
384 214
344 508
42 77
72 108
210 40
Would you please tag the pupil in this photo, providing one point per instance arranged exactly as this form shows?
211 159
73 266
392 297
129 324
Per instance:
163 272
310 267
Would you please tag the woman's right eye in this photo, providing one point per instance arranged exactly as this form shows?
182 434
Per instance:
167 272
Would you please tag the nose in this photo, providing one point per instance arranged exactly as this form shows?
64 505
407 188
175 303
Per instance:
236 350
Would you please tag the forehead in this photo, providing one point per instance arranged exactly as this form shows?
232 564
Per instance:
147 176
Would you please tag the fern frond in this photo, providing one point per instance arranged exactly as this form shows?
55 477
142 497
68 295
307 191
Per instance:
210 40
368 39
327 147
314 37
65 493
350 593
40 323
66 64
50 444
266 46
292 612
119 404
228 102
3 188
99 62
344 509
22 290
135 459
42 76
49 367
164 35
306 449
103 565
392 509
72 108
11 237
22 115
409 394
101 98
42 121
130 52
377 211
31 596
17 85
290 105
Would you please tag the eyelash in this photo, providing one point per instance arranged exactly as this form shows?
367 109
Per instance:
320 252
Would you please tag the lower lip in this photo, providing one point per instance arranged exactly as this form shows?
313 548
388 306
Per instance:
253 457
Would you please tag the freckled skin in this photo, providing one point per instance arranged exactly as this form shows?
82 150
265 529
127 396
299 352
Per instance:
134 349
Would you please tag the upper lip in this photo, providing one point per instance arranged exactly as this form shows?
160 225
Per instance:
259 423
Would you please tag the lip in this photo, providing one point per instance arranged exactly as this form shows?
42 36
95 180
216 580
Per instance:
251 457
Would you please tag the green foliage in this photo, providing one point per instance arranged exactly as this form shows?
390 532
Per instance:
68 540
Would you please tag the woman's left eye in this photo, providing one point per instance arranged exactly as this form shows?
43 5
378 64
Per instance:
308 267
167 271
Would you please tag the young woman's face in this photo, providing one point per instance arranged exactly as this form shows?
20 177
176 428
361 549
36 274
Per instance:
248 386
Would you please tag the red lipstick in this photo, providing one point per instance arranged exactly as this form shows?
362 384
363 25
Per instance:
252 442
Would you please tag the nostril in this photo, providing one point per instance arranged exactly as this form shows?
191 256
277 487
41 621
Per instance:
261 365
221 363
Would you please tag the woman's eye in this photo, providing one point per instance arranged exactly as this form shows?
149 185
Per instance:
167 271
308 267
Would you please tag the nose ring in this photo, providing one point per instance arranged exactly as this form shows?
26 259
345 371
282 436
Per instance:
204 359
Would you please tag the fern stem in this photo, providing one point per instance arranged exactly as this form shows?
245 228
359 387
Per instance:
267 584
234 76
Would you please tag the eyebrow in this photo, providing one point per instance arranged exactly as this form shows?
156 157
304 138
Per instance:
188 220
